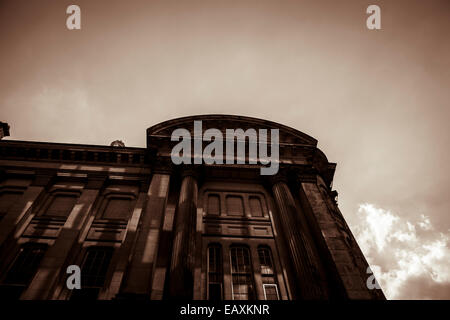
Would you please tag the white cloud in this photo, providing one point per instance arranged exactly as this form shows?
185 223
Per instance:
407 258
425 224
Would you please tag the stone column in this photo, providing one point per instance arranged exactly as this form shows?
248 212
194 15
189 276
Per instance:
41 287
181 276
126 250
299 245
139 273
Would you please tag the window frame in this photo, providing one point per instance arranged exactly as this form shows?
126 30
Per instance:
111 197
52 200
241 200
103 202
250 274
273 276
220 274
213 194
270 285
13 283
82 262
50 197
245 195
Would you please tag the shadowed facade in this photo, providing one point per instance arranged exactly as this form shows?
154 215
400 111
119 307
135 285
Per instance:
141 227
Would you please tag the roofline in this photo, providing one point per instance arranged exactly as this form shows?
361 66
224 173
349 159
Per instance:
73 145
219 116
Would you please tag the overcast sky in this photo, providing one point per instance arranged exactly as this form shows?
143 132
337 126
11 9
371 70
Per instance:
376 100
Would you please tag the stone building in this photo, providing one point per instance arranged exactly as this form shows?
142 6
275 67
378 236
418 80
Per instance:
140 227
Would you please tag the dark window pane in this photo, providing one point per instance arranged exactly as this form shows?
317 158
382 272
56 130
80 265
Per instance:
213 204
255 207
215 274
61 205
242 274
93 273
265 260
268 273
235 206
117 209
22 270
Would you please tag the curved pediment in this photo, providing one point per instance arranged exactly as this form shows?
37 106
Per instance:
223 122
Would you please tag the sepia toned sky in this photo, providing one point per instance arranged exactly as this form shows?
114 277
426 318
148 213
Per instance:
376 100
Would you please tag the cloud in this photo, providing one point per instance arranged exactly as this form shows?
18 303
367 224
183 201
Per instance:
408 258
425 224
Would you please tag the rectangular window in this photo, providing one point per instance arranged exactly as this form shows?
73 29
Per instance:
22 270
235 206
271 291
213 205
93 273
256 207
61 205
215 274
118 208
270 286
242 274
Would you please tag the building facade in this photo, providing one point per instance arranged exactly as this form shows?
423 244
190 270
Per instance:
140 227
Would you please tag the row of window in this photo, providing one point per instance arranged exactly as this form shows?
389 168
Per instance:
62 203
116 207
242 275
97 259
237 205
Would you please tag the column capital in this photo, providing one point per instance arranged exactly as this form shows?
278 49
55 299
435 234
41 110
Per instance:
163 165
192 171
